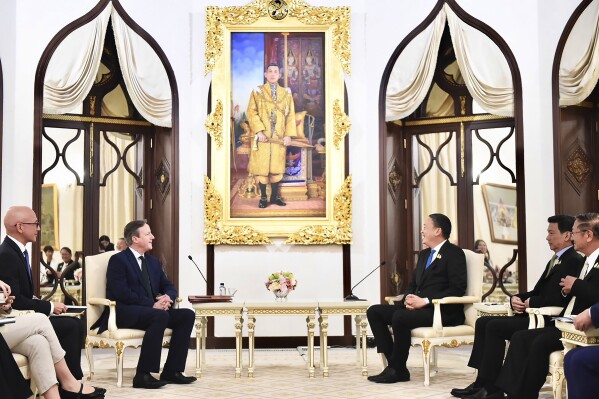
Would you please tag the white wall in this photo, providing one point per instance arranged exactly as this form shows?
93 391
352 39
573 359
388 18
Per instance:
26 27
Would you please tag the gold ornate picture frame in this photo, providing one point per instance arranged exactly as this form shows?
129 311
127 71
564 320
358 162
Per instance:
311 45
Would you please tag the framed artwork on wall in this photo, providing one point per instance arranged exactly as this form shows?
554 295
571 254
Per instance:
49 217
501 205
278 91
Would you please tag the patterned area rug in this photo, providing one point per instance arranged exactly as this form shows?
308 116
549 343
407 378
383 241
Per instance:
282 373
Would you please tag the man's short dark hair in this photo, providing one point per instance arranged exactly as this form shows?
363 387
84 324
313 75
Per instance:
564 222
104 238
441 221
67 249
272 64
132 229
589 221
48 248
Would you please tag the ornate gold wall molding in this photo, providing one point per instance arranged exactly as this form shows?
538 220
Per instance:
216 233
214 124
342 124
340 232
337 17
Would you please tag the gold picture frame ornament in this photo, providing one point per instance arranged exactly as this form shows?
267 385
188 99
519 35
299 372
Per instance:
218 17
214 124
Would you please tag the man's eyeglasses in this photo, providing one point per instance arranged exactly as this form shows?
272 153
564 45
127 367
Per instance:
36 223
579 231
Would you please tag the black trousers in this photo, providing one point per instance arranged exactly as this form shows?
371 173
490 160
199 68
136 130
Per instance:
527 362
12 383
154 322
71 335
490 334
402 321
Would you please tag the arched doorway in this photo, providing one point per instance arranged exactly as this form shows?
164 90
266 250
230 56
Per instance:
105 157
442 141
574 130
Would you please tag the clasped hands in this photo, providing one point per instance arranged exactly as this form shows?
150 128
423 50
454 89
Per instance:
566 283
263 139
414 302
8 299
518 305
163 302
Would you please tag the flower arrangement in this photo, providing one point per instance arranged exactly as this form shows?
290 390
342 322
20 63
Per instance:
281 282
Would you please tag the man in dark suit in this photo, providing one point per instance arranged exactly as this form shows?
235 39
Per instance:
440 272
22 226
144 298
527 361
581 364
491 332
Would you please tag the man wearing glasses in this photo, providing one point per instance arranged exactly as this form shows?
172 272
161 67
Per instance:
22 227
527 361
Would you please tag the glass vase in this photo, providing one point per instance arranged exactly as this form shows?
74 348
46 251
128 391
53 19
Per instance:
281 296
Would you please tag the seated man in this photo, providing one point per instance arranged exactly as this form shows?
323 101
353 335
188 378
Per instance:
527 361
491 332
32 336
581 365
144 298
22 227
440 272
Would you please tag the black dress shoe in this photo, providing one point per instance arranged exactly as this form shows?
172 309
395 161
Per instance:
390 376
146 381
278 201
176 378
483 394
469 390
64 394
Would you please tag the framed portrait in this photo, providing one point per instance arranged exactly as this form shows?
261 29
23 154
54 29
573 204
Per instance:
278 92
501 205
49 216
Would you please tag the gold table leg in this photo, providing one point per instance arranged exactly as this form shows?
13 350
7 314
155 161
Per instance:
364 326
238 344
200 344
323 323
310 322
251 327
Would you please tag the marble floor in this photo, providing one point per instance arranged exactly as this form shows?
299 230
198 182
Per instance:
282 374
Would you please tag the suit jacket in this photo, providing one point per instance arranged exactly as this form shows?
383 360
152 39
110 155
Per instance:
585 290
13 271
445 276
547 291
124 285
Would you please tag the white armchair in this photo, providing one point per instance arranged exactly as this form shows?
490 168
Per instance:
556 359
114 337
452 337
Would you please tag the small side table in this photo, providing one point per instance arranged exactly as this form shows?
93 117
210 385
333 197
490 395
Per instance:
307 309
203 311
344 308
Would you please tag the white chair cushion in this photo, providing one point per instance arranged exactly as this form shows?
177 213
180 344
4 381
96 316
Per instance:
126 333
20 359
429 332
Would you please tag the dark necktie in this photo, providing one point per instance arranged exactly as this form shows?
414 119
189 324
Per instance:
551 264
145 277
26 254
430 259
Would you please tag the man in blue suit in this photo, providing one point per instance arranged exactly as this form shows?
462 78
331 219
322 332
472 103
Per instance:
581 365
144 298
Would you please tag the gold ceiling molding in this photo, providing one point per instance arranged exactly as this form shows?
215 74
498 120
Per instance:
96 119
214 124
217 17
451 119
340 232
215 233
342 124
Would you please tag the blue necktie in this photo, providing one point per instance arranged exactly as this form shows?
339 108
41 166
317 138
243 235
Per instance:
28 264
430 259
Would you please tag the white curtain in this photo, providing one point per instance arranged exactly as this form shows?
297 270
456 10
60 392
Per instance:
145 77
483 67
579 67
413 71
74 66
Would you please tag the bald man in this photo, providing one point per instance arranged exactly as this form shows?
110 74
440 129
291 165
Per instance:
22 227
